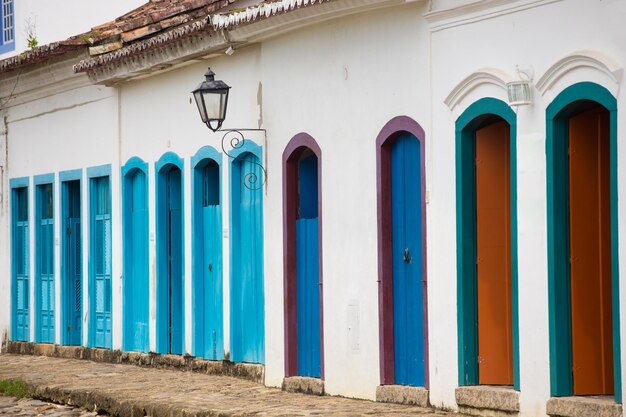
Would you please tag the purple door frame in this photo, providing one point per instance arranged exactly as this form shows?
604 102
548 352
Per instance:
384 140
298 144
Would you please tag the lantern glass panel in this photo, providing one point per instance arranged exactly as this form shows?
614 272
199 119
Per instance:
198 97
213 102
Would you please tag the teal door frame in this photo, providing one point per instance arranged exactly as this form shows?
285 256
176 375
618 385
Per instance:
163 300
64 178
94 173
135 266
477 115
235 182
200 311
569 101
20 317
41 245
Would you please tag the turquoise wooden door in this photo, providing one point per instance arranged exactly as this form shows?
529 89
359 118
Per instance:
307 270
101 247
21 267
408 316
212 263
247 307
45 264
136 277
176 288
72 254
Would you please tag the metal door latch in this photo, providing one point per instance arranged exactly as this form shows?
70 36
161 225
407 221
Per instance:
407 258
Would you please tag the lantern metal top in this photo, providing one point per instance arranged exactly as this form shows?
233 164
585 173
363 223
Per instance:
212 99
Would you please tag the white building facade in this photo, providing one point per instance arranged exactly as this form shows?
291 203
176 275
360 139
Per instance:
409 228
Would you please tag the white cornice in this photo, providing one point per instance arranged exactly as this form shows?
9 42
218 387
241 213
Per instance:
42 80
481 77
479 10
596 61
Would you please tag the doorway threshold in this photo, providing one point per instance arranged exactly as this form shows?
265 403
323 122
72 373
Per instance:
402 394
577 406
488 400
303 385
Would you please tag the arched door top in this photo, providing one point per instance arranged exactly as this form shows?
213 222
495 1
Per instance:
397 125
168 159
474 116
206 153
298 143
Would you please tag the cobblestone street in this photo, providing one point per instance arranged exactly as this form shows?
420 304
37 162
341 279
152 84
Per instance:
131 391
27 407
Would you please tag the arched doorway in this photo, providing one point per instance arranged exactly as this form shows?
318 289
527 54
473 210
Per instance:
401 251
208 339
170 255
135 261
247 310
582 242
302 202
487 245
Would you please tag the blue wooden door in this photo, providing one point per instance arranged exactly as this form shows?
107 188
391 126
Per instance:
136 276
307 270
247 308
176 315
45 263
101 241
21 266
71 264
212 263
407 261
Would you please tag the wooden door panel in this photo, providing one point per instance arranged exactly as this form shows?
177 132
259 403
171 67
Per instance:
590 253
493 244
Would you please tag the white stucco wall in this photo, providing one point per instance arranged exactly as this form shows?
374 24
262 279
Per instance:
339 81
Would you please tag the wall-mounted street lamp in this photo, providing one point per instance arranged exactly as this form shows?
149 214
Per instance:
212 100
520 92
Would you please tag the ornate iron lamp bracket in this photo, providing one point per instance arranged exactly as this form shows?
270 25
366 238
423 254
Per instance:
234 139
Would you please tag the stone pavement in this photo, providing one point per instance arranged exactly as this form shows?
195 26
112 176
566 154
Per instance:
130 391
27 407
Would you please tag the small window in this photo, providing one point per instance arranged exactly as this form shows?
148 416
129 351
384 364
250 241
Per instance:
7 26
211 185
22 204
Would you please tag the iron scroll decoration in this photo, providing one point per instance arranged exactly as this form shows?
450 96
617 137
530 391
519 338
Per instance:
211 97
234 139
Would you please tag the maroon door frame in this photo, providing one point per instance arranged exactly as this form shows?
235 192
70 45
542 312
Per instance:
298 144
387 136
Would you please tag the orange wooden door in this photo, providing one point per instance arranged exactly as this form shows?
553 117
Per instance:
493 241
590 253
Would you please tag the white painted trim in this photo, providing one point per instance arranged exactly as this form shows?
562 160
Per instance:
479 10
481 77
606 66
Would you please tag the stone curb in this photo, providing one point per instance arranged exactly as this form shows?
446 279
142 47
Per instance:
118 407
250 372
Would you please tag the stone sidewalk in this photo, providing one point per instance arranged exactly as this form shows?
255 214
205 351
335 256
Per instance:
27 407
130 391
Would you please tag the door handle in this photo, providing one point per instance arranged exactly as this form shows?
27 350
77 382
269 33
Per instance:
407 257
210 267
